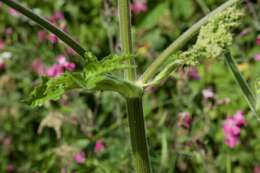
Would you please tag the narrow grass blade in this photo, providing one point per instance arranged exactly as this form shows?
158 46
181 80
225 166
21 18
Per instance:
247 92
257 91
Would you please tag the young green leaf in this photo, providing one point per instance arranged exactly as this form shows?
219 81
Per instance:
51 89
108 64
96 75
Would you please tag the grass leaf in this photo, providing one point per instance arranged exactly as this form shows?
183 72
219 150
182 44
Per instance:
247 92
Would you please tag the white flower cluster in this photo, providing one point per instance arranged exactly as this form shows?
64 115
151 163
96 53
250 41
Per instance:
215 36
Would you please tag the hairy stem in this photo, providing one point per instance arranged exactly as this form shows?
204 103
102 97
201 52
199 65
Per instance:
181 41
134 105
47 25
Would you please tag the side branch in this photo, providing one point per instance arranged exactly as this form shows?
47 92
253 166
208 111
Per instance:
180 42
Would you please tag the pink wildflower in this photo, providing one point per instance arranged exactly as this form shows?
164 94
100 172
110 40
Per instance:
52 38
256 169
9 31
184 119
80 157
66 64
258 40
2 44
63 27
70 51
99 146
61 59
7 141
232 127
2 65
38 67
13 12
193 73
70 66
208 93
55 70
57 16
257 57
239 119
138 7
42 36
9 168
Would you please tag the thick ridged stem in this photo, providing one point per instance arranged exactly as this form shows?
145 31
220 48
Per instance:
126 35
134 105
47 25
138 137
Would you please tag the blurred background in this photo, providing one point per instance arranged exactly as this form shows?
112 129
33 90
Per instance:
88 133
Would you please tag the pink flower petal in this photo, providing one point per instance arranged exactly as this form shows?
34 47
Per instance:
10 168
193 73
99 146
70 51
231 141
62 60
2 66
208 93
184 119
70 66
239 118
232 127
55 70
258 40
9 31
138 7
38 67
13 12
53 38
257 57
2 44
42 36
57 16
256 169
80 157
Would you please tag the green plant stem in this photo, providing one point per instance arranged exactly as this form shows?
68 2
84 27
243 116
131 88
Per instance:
134 105
47 25
181 41
138 137
125 34
203 6
228 164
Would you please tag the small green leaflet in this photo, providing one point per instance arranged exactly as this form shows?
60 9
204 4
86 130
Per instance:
51 89
108 64
92 77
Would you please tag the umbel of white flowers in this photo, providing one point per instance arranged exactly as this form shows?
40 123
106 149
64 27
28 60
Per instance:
215 36
213 39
